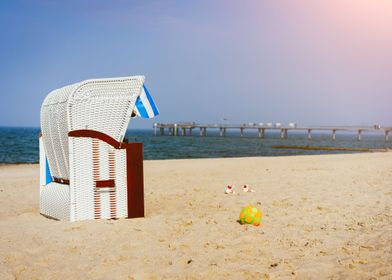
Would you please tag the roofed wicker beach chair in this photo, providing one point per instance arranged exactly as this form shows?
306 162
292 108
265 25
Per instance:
87 169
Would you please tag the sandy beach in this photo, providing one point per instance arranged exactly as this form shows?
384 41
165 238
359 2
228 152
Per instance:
324 217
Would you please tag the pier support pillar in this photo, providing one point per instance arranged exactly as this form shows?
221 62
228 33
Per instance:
222 131
283 133
359 135
190 131
334 134
201 131
309 134
386 135
261 133
242 131
205 131
183 132
162 130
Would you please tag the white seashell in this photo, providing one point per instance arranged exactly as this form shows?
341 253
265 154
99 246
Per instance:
246 188
229 189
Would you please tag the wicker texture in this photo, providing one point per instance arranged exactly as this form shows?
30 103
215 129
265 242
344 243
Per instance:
55 201
104 105
54 128
89 202
42 163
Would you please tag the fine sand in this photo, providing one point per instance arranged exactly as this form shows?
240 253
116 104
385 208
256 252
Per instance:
324 217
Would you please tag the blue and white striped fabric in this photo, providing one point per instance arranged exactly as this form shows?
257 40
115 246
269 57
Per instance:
145 106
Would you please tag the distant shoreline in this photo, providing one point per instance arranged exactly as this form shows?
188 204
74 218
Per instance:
325 148
370 151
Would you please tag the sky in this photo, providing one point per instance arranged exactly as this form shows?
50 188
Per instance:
311 62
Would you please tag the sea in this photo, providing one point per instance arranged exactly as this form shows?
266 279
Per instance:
21 144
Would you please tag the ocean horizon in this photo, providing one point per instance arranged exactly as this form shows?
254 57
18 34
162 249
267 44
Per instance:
21 144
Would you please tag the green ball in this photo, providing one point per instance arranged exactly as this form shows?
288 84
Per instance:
250 215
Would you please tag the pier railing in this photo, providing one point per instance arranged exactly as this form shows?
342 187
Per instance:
177 129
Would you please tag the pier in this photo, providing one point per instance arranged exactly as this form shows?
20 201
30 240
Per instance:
187 128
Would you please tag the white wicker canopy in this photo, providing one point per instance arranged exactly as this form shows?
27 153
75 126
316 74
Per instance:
104 105
92 173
